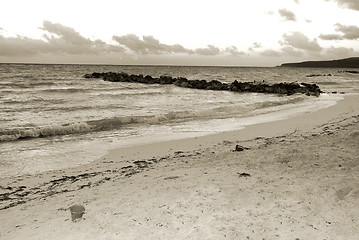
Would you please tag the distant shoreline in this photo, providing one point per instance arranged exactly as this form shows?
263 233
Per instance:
340 63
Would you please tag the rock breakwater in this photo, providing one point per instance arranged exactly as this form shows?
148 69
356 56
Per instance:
261 87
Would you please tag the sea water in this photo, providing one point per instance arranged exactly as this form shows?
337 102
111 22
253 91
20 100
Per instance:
51 117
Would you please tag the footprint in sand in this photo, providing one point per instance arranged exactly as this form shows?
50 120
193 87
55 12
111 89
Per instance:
353 196
349 194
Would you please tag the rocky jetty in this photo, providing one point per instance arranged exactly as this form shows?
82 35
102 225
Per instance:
259 87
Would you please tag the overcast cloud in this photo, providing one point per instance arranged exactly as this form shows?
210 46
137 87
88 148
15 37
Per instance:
62 40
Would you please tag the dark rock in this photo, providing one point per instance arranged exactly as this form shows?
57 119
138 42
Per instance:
244 174
141 164
349 71
93 75
148 78
319 75
179 81
185 84
166 80
313 75
240 148
217 85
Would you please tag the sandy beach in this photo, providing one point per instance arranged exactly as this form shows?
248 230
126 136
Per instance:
295 179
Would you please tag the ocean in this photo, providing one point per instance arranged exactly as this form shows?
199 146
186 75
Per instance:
51 117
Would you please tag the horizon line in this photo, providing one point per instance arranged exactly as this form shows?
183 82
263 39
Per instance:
140 65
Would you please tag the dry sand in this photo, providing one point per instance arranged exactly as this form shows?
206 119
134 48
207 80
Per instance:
297 179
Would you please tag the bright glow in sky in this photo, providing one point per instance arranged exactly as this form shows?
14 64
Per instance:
184 32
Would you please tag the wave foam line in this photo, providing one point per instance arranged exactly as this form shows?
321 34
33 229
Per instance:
115 123
18 134
90 126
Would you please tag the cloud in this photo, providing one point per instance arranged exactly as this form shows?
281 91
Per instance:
67 34
64 43
297 45
21 46
285 51
330 36
209 50
271 53
256 45
300 41
292 52
351 4
296 1
66 40
148 45
350 32
340 52
233 51
61 40
347 32
287 15
58 39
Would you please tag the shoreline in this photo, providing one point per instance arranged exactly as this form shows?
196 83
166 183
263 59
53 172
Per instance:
193 130
262 129
124 155
189 175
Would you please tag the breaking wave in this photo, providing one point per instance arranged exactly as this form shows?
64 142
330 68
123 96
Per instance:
93 126
27 133
114 123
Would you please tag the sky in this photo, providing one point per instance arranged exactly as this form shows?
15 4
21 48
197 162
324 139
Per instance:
178 32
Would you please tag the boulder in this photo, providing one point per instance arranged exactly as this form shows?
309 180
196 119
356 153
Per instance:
166 80
179 81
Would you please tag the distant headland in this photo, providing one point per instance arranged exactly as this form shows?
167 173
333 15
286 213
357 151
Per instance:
340 63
